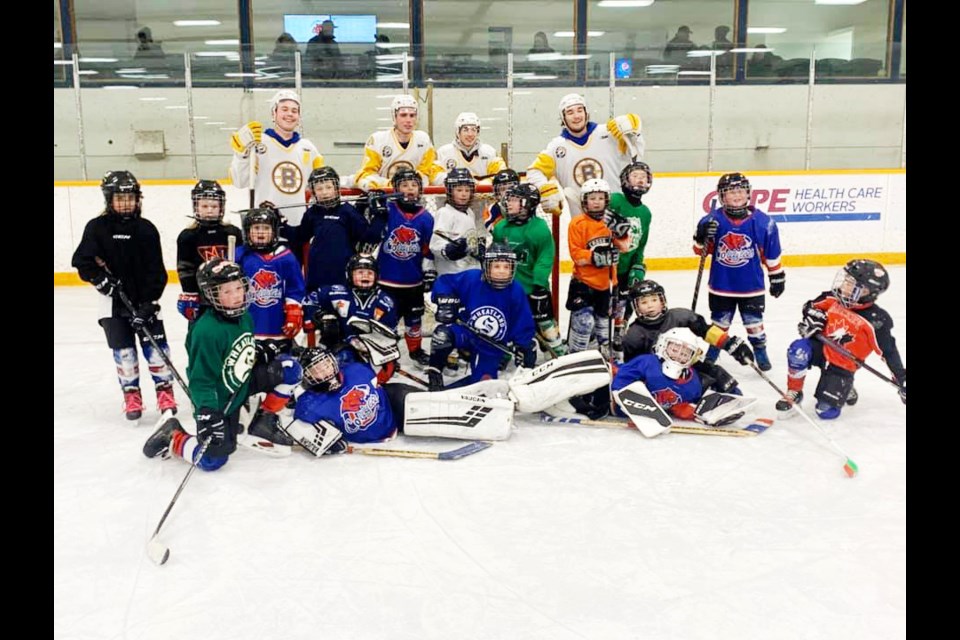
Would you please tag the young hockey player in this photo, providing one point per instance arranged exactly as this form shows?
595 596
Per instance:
330 308
635 181
334 229
405 261
283 160
849 316
223 367
741 239
467 151
402 147
454 239
204 239
532 242
505 180
584 150
120 250
595 250
494 305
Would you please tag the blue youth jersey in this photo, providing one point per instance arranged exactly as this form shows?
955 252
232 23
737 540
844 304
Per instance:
502 314
275 279
666 391
739 250
345 304
359 408
406 242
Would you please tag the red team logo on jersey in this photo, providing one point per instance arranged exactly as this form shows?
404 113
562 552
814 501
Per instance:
667 398
267 288
735 249
209 252
358 408
403 243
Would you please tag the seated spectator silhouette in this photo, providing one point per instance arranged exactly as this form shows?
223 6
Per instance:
763 63
540 44
678 47
722 43
149 53
323 52
284 53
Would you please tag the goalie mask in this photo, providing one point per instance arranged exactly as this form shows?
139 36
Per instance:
733 191
261 227
122 186
678 349
520 203
324 184
860 282
594 207
636 179
208 202
224 286
649 301
321 372
499 265
459 177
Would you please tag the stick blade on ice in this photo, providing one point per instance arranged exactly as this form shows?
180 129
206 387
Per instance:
158 553
851 468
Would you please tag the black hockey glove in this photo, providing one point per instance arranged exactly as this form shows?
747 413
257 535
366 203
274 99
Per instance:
618 225
455 250
211 426
778 281
377 203
106 284
706 231
604 256
447 309
739 350
540 303
146 314
525 356
814 320
429 277
267 350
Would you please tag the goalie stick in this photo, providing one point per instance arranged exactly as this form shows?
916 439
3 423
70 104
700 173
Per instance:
453 454
758 426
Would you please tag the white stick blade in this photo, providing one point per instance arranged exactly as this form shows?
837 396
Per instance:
158 553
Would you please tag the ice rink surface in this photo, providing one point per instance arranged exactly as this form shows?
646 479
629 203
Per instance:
557 533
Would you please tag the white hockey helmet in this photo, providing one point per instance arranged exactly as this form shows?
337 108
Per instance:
594 185
403 101
571 100
280 96
466 119
679 349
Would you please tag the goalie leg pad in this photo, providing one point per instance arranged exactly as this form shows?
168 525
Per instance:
317 438
581 328
453 414
719 409
638 404
558 379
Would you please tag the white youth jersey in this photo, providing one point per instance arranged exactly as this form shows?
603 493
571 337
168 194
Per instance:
573 164
281 175
454 224
383 155
484 160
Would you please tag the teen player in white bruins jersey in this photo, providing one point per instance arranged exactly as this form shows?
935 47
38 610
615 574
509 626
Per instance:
467 151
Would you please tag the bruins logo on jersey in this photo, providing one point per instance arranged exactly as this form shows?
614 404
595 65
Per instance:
561 152
397 166
587 169
287 177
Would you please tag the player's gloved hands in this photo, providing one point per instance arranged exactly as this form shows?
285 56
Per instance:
636 274
267 350
739 349
622 126
211 426
706 231
814 320
618 225
550 198
778 282
377 203
525 356
903 389
455 250
146 314
429 277
188 305
359 346
293 319
106 284
683 411
604 256
246 137
447 309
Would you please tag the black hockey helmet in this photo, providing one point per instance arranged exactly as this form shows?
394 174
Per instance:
860 282
728 182
216 272
504 179
325 174
643 289
120 183
459 177
362 261
499 252
636 192
262 215
208 190
529 197
321 371
402 175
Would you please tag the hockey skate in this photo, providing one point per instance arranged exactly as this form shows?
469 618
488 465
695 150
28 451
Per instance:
763 361
265 426
132 403
158 444
165 399
785 406
421 357
435 379
852 397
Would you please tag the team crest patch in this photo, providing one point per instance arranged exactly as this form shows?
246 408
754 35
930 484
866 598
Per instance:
239 361
386 152
359 408
287 177
267 288
403 243
735 249
561 152
587 169
489 321
667 398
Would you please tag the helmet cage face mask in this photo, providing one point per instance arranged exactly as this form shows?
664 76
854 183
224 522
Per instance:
678 349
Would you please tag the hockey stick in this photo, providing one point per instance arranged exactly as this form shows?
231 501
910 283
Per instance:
849 467
453 454
413 377
485 338
522 174
158 552
757 427
841 350
696 288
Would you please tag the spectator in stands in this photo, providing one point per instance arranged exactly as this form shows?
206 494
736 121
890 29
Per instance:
540 44
323 52
149 53
678 47
284 53
722 43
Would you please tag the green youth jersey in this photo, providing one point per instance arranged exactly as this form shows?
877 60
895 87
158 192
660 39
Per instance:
639 217
533 244
221 354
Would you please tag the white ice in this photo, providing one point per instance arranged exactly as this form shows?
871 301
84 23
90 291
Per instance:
559 532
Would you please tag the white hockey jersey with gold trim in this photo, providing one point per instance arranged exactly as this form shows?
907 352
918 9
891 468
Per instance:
383 155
